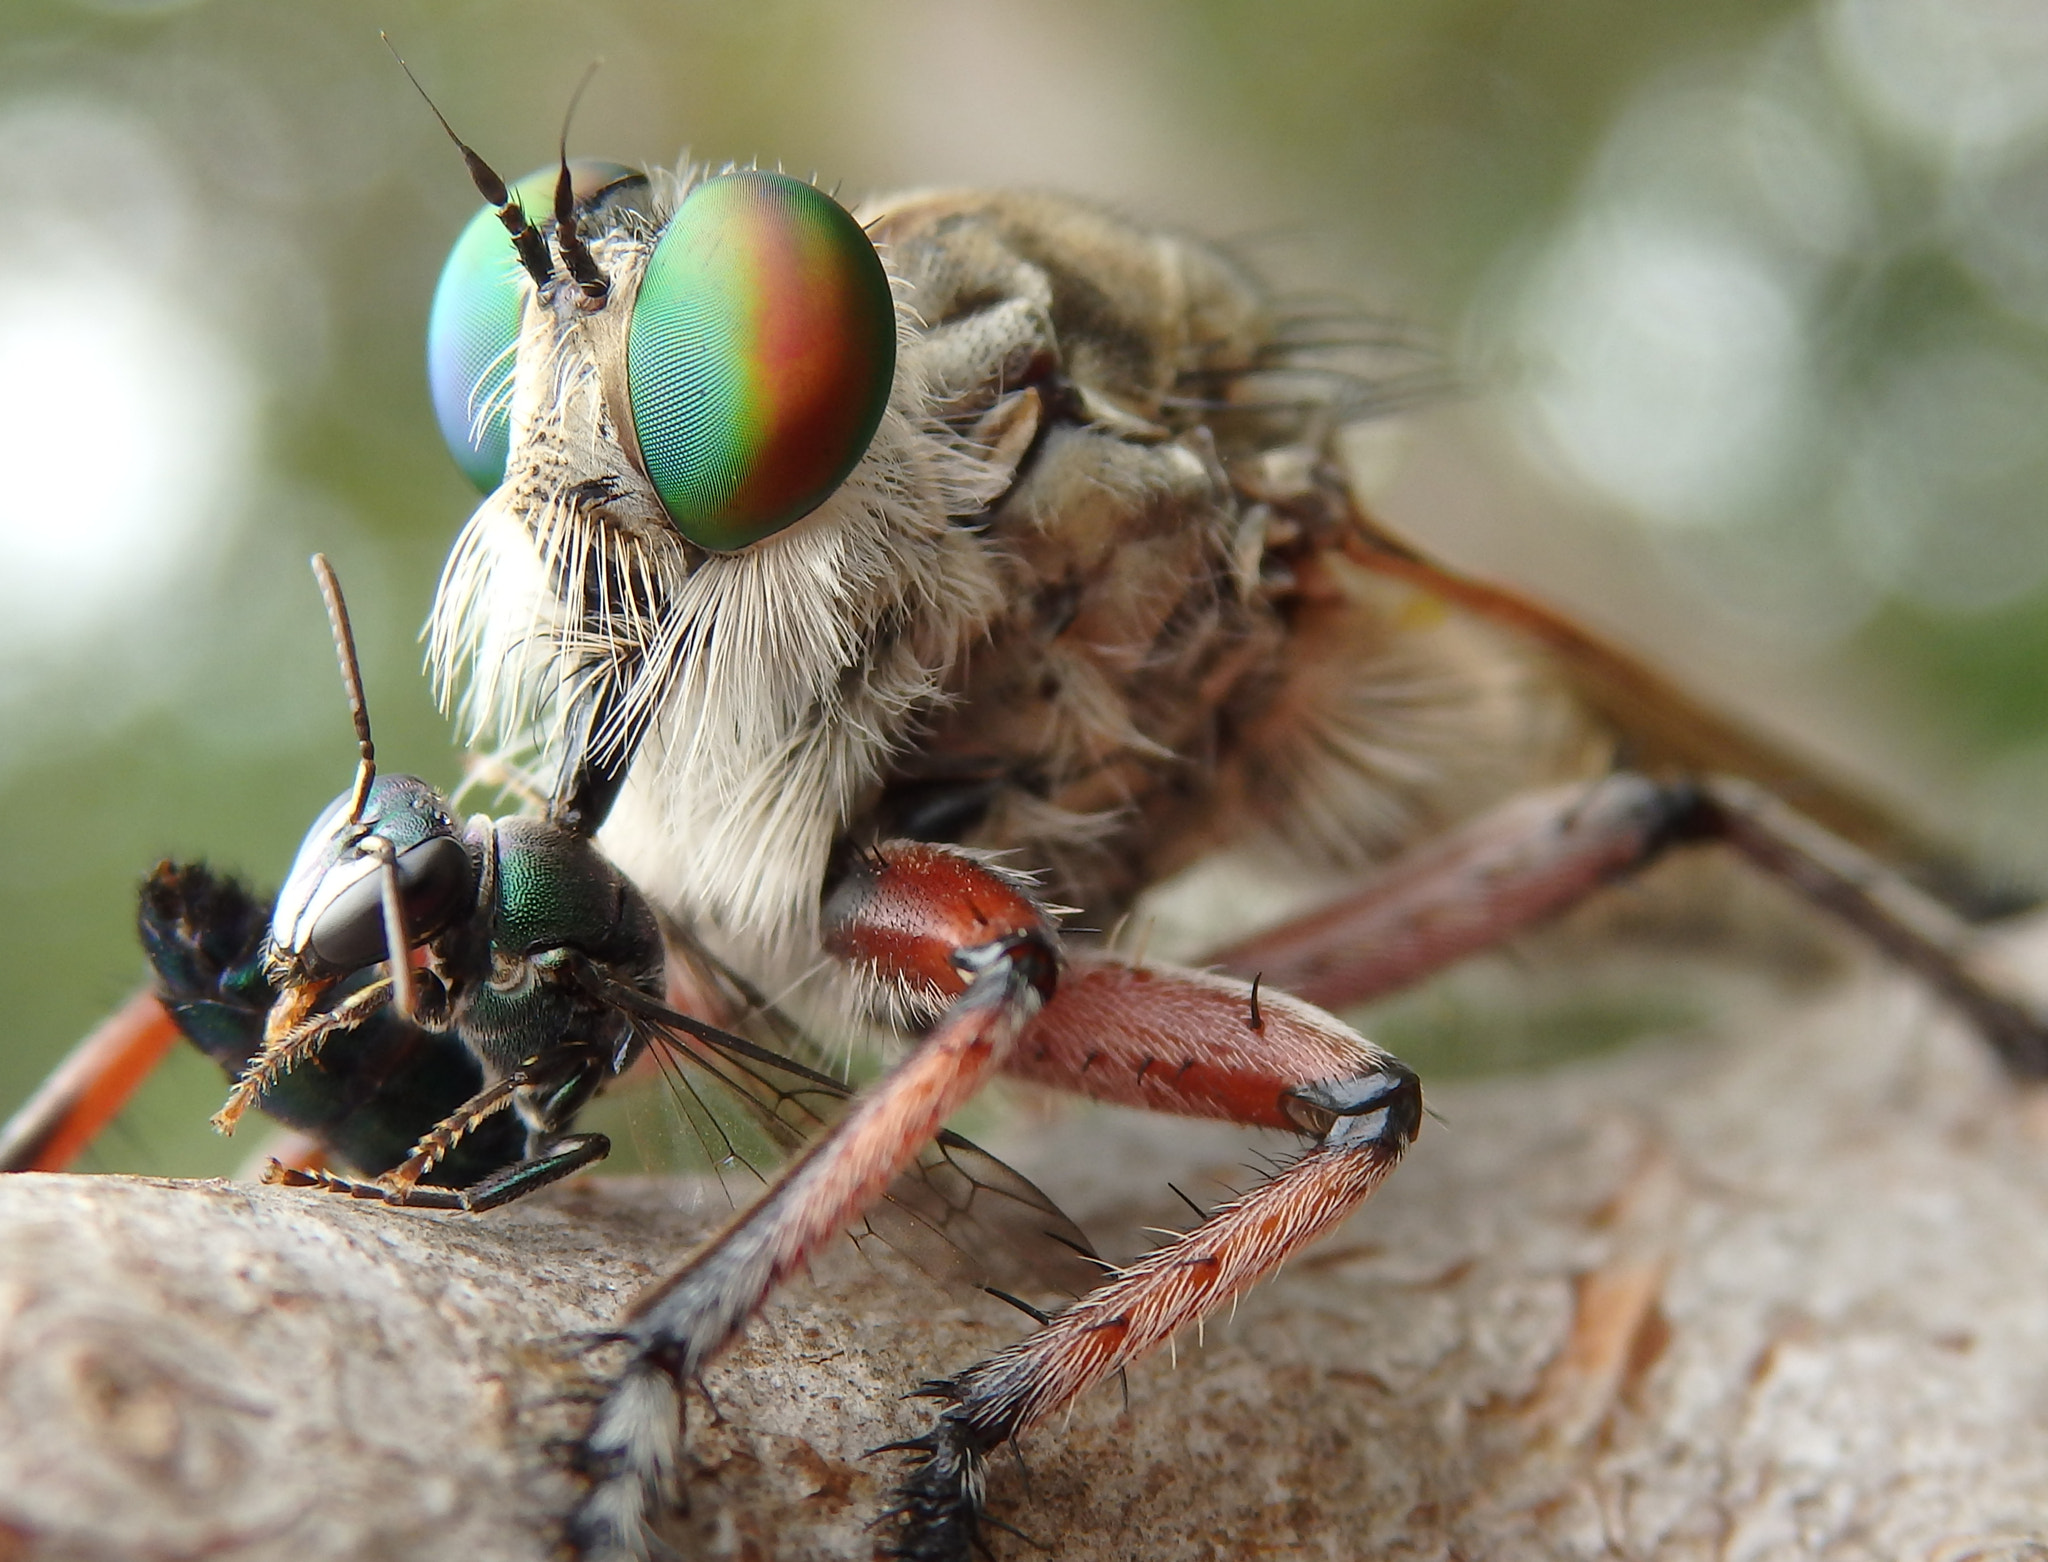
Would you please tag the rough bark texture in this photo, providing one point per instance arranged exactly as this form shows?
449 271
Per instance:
1781 1294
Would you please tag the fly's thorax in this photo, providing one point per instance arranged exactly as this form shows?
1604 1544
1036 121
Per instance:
1180 665
1140 318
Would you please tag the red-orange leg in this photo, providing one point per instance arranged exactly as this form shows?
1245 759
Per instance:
1196 1045
89 1088
1189 1043
1469 889
932 924
1542 853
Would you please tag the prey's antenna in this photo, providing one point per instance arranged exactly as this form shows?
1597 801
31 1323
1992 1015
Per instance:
397 942
581 265
526 239
351 681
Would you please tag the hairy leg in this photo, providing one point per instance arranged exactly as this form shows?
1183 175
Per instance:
934 924
1197 1045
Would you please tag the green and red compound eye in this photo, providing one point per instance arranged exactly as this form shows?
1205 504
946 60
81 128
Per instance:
759 356
473 327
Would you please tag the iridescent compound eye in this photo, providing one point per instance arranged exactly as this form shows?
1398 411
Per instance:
474 325
759 358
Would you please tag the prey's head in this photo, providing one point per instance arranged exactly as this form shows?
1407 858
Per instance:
401 839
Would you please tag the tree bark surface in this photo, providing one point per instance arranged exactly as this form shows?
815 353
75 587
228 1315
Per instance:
1780 1293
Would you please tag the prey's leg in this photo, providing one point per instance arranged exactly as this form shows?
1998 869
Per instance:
567 1156
1199 1045
293 1044
548 1090
934 924
1543 853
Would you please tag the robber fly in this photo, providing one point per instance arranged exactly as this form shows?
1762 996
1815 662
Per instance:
845 565
874 583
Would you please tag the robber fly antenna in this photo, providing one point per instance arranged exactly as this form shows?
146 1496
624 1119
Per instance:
397 943
577 260
526 239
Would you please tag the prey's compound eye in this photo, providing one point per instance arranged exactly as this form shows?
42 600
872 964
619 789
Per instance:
759 357
435 885
473 328
329 919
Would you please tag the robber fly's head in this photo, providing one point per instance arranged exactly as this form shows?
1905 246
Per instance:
332 916
751 331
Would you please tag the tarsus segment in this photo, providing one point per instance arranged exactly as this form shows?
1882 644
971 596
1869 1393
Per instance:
1374 1117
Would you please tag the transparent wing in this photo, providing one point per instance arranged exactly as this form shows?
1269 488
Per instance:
957 1213
967 1218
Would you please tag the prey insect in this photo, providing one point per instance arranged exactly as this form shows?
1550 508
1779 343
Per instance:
538 957
365 1105
851 564
363 1108
430 1003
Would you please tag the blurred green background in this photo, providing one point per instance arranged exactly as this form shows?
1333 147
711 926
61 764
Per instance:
1748 298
